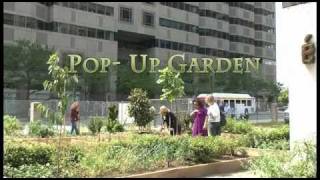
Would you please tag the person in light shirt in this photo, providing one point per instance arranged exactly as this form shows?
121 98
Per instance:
213 117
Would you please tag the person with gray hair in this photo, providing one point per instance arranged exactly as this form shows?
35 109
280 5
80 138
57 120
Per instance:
170 121
212 122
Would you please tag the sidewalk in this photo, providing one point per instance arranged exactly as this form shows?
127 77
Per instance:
241 174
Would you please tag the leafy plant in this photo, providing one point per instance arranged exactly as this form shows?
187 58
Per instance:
36 128
112 124
283 97
171 83
237 126
139 107
265 137
11 125
29 171
95 124
18 154
298 163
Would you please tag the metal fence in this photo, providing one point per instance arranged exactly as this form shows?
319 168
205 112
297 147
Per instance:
21 109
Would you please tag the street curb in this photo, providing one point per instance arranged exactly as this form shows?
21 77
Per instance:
223 166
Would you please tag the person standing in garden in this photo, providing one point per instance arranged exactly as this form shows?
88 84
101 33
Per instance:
199 116
75 117
170 121
222 113
212 122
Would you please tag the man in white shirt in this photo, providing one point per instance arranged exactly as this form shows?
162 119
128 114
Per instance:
213 117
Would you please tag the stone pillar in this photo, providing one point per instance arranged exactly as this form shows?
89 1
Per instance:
293 24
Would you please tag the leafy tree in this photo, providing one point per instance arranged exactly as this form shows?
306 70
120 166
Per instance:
140 107
283 98
59 83
24 66
171 83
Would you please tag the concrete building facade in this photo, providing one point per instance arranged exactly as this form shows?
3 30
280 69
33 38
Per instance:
295 21
159 29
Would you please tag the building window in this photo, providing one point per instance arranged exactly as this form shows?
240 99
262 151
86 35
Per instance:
175 46
82 31
125 14
148 19
100 34
30 23
20 21
91 32
101 9
73 29
107 35
74 5
249 103
162 44
8 19
92 8
84 6
109 11
63 28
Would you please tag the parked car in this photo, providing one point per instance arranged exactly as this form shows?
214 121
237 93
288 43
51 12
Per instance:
286 115
282 108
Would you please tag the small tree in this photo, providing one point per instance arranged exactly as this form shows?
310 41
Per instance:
140 107
112 124
283 98
59 82
95 125
171 83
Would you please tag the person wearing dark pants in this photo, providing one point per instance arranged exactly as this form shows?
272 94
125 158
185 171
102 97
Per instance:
75 117
222 113
213 117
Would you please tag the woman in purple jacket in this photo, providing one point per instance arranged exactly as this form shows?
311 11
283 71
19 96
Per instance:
199 116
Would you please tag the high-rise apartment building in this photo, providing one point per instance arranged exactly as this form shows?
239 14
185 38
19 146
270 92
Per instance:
159 29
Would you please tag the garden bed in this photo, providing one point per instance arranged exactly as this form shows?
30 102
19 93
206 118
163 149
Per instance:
233 164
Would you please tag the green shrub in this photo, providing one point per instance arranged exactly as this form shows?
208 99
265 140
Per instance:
118 128
29 171
95 125
299 162
22 159
237 126
38 129
11 125
112 123
18 154
140 107
269 137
